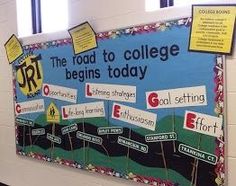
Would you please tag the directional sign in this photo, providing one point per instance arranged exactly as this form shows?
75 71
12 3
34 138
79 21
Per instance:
171 136
38 132
53 138
22 121
53 114
70 128
132 144
89 137
198 154
109 130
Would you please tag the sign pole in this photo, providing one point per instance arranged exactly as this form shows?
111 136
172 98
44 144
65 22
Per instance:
87 153
173 129
196 172
164 159
193 170
37 132
128 153
53 117
106 152
30 138
36 139
52 143
84 151
67 130
24 137
29 124
108 120
195 165
71 146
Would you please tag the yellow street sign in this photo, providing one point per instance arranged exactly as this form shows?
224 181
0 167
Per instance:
53 114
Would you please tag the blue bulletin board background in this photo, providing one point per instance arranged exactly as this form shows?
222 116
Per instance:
169 68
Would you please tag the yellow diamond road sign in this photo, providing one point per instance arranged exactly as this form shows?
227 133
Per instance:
53 114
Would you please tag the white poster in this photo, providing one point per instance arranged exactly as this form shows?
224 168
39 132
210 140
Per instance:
203 123
180 97
59 92
85 110
134 116
112 92
29 107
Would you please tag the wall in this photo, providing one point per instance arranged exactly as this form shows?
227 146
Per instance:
231 116
103 15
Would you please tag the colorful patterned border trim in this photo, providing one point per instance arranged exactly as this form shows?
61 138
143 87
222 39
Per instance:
99 169
219 110
49 44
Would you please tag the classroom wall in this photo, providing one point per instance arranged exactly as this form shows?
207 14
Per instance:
103 15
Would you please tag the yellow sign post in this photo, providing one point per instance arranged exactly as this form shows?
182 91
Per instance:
212 28
13 49
83 38
53 114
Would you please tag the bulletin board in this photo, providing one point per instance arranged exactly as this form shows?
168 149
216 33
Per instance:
140 106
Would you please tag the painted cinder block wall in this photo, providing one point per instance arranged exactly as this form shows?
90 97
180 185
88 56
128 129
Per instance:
103 15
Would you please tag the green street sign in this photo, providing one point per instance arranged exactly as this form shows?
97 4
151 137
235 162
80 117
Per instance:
89 137
38 132
53 138
132 144
198 154
170 136
109 130
22 121
68 129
